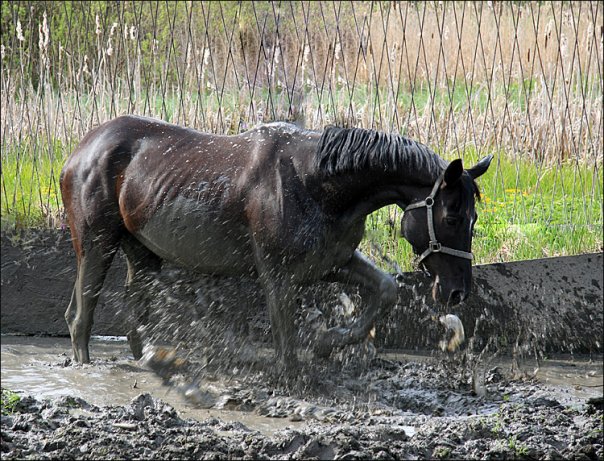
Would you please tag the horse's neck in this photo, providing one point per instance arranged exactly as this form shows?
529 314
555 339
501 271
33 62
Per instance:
354 196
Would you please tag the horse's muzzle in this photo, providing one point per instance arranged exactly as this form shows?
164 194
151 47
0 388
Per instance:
449 294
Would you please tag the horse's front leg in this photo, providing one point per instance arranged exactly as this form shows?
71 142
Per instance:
379 292
280 293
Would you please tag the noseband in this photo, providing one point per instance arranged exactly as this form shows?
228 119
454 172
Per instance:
434 246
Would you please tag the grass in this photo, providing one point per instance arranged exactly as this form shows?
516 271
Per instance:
530 211
30 180
520 449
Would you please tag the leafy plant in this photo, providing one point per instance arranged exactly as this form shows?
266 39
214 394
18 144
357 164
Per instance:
520 449
9 401
441 452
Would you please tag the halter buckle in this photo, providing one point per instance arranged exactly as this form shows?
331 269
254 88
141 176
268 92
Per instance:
429 202
434 247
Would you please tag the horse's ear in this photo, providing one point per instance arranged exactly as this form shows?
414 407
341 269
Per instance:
453 173
481 167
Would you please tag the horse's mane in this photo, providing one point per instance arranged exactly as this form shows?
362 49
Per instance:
342 150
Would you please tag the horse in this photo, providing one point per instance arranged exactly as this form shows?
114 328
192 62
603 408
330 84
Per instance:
284 205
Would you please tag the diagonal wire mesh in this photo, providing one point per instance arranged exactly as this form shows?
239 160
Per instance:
520 80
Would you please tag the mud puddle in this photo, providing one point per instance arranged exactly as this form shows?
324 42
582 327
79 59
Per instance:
41 367
571 379
399 406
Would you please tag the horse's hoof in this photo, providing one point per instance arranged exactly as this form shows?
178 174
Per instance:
452 323
81 359
164 362
137 353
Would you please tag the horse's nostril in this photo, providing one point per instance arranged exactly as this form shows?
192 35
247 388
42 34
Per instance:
455 297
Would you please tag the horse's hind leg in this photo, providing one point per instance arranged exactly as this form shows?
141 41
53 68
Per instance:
143 267
92 267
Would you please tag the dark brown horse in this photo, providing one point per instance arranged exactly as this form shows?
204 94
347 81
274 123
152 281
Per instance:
284 205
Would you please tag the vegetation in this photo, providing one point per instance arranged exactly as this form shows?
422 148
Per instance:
9 401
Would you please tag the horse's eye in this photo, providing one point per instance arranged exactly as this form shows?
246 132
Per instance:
451 220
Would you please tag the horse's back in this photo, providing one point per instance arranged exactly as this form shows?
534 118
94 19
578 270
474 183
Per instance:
124 150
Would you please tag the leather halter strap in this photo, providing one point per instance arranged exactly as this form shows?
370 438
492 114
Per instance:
434 246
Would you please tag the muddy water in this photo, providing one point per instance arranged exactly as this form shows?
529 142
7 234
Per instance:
571 380
41 367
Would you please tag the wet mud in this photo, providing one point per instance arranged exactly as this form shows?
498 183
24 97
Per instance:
389 406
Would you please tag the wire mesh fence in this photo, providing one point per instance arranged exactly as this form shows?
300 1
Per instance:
519 80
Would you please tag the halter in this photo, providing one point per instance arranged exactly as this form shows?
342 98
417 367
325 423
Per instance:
434 246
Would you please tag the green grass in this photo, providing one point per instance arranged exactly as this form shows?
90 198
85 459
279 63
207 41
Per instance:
30 184
530 211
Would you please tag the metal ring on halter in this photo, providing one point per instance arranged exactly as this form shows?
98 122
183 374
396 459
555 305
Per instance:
435 247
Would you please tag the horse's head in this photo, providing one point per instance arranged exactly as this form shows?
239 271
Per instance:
439 227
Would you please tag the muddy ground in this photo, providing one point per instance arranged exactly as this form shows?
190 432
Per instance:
391 406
